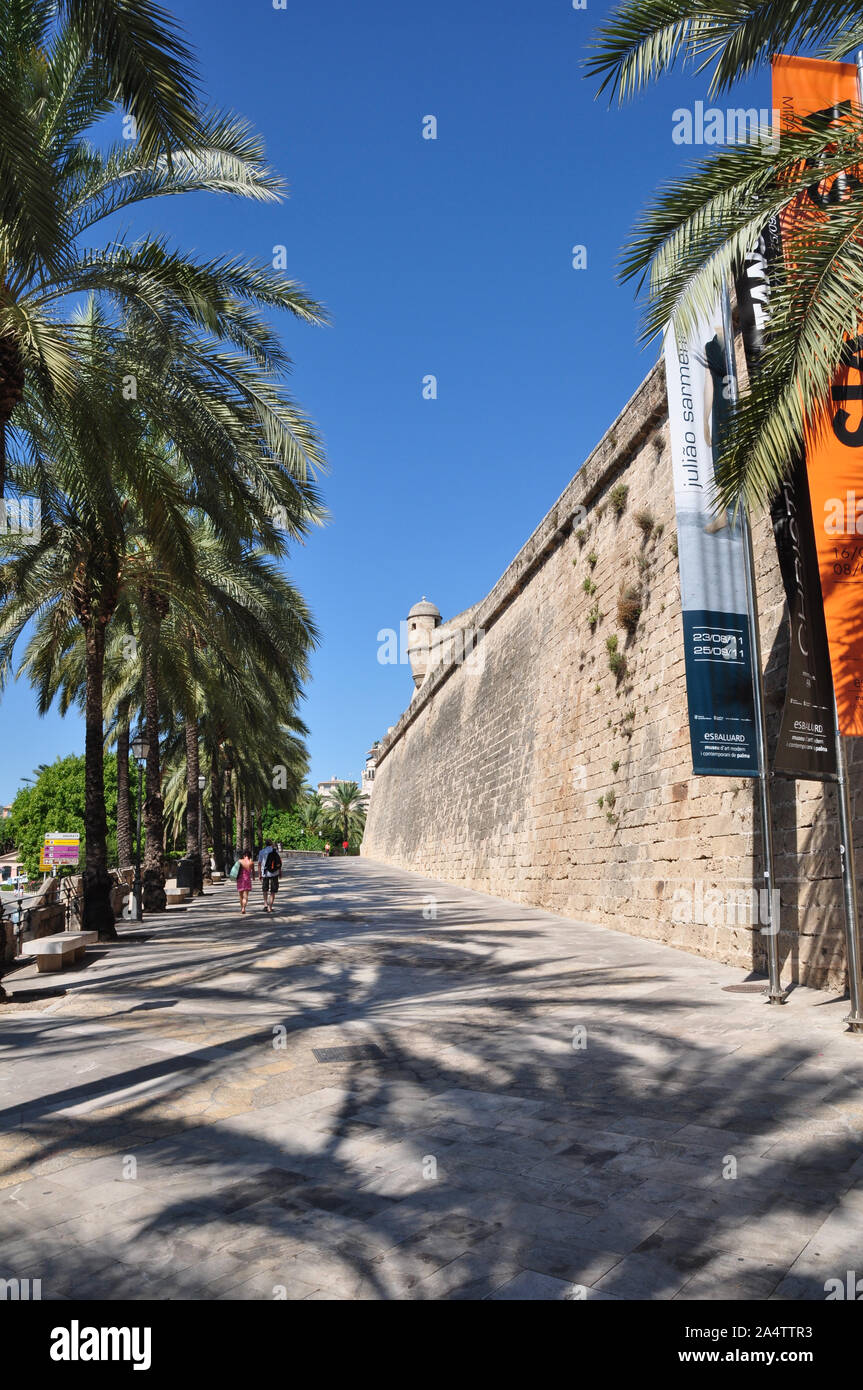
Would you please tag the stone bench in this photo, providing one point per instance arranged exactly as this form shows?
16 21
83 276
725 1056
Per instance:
55 952
174 895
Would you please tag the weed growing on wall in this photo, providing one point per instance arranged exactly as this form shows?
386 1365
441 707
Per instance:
617 498
616 659
629 607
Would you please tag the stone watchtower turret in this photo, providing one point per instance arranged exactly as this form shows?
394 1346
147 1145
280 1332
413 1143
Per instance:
423 618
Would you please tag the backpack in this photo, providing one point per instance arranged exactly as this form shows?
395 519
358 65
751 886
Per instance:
272 864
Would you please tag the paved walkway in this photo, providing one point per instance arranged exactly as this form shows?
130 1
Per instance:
555 1111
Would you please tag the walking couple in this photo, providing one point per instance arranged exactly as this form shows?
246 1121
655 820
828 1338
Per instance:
269 863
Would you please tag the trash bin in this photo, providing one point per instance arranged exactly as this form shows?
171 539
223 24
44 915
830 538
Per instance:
186 874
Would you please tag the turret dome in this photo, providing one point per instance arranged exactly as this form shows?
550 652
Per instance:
424 609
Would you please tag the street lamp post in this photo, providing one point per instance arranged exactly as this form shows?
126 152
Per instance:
139 753
202 781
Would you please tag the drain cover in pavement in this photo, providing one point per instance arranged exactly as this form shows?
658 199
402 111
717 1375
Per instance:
364 1052
747 987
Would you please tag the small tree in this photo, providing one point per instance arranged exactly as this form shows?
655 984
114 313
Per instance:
347 810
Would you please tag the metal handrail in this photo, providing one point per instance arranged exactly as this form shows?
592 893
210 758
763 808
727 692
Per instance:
21 918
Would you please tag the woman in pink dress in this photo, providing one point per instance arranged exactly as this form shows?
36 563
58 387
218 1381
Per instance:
244 880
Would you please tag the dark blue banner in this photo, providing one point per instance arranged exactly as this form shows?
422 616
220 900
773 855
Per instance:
719 687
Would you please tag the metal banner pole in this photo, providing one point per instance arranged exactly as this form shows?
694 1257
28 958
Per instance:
849 884
775 992
846 847
136 887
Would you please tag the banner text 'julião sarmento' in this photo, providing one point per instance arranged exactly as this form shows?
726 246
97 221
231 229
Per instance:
711 557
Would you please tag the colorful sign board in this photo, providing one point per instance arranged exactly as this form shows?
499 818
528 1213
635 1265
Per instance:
60 849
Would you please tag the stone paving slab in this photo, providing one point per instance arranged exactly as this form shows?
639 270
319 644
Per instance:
558 1111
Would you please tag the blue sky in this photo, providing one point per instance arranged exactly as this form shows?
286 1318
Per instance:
449 257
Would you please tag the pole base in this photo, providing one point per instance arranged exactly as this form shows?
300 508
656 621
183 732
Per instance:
780 997
855 1022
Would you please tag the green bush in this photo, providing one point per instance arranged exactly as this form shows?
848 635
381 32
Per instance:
286 827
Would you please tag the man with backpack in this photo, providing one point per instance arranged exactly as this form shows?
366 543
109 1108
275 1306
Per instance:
270 862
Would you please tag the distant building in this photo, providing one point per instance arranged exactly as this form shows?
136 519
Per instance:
11 866
325 788
368 775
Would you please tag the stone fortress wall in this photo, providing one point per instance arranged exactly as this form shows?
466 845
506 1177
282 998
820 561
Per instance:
533 771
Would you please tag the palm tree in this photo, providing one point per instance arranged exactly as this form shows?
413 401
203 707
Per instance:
312 812
700 228
124 800
190 334
116 519
641 40
245 675
73 577
193 802
347 808
234 639
79 57
154 607
55 664
56 83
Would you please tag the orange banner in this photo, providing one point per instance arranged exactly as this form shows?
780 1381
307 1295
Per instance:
834 443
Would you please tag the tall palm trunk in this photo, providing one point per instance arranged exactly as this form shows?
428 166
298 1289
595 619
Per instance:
216 804
229 808
153 877
192 803
98 914
247 826
206 841
11 393
124 800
